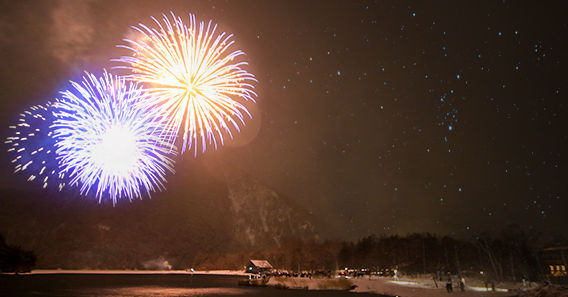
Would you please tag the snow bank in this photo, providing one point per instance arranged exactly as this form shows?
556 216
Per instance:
547 290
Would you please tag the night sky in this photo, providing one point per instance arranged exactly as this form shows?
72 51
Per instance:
376 116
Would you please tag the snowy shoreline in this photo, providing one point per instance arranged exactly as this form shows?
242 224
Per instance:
405 286
65 271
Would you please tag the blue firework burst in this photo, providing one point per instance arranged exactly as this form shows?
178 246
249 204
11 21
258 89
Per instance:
32 146
105 140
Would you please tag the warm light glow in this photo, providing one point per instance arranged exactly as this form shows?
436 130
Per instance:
405 283
482 289
193 82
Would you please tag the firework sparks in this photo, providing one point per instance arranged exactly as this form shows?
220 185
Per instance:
33 147
192 80
105 140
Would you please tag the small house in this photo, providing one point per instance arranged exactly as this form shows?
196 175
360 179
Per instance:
258 266
554 260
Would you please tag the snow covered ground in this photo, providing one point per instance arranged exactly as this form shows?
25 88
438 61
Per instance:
412 287
417 287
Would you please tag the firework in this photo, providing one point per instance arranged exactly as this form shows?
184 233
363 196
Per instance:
33 147
193 81
105 140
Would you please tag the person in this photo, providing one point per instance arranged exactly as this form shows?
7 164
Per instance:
462 284
449 287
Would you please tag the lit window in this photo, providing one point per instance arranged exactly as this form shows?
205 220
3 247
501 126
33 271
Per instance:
557 267
563 268
551 268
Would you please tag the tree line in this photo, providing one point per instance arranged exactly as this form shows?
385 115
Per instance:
508 256
511 255
13 258
293 255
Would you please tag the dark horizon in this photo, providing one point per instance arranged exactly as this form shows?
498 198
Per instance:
374 117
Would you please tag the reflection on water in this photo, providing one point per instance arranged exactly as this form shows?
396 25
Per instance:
142 285
160 291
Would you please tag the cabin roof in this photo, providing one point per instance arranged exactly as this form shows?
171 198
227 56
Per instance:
261 263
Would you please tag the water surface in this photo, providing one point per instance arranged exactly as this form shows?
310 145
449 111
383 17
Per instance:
143 285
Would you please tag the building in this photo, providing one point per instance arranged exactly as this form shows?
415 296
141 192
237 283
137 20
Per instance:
554 260
258 266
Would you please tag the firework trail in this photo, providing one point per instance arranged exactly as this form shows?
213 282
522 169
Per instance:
105 140
191 78
33 147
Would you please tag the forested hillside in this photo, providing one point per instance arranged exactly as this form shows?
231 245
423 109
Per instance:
195 216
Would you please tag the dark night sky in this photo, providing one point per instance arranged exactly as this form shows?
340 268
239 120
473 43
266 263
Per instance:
376 116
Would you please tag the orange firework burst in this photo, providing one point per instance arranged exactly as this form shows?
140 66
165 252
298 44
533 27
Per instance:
193 82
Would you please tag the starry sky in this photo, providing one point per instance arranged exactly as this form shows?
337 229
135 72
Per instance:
376 116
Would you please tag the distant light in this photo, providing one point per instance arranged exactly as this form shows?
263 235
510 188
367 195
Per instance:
458 76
